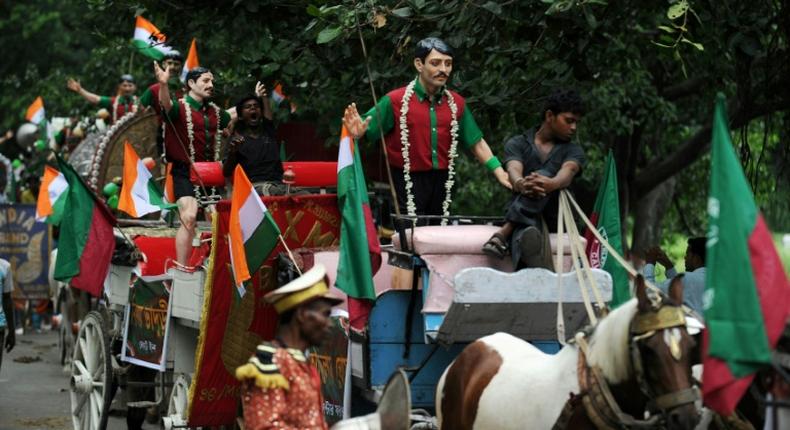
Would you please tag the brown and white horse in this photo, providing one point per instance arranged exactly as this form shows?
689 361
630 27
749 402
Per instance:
502 382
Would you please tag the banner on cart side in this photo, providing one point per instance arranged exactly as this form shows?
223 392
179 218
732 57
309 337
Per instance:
232 326
26 245
147 323
331 360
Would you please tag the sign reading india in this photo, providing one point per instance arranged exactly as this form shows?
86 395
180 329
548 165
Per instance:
25 244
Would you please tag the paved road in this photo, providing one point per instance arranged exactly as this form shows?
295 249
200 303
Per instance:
35 395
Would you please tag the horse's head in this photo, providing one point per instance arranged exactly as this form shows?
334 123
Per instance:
661 355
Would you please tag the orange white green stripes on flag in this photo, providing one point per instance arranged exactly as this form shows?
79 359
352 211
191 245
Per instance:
279 96
360 251
252 231
149 40
139 193
52 196
169 192
35 112
192 61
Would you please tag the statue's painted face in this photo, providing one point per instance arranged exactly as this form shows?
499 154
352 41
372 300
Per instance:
203 86
435 70
174 65
127 88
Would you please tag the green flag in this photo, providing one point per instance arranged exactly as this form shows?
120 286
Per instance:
606 217
747 295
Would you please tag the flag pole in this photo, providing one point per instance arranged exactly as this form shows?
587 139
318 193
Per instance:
290 255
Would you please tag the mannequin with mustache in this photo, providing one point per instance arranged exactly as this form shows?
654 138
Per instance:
199 144
429 120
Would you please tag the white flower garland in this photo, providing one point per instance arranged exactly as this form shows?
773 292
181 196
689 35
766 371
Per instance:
115 107
411 208
191 136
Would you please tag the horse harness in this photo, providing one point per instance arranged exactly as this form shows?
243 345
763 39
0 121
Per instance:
596 396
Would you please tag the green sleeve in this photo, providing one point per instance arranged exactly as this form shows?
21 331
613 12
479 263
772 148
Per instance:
469 131
105 102
224 119
146 98
383 119
173 112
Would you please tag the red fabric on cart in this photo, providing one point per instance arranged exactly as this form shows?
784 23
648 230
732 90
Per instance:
160 253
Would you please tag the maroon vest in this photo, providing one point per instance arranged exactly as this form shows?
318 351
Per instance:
177 144
418 120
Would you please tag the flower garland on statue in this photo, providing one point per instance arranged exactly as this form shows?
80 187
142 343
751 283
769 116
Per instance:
191 136
411 208
115 107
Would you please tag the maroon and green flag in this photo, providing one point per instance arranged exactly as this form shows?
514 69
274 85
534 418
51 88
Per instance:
606 218
747 294
360 252
86 241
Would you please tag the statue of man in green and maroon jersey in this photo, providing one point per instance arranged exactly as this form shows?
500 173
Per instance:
423 124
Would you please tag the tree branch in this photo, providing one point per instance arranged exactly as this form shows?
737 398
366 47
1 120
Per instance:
697 146
683 89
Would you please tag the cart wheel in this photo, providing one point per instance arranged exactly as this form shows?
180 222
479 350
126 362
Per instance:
91 375
177 405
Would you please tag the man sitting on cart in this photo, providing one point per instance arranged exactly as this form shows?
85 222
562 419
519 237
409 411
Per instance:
423 124
540 162
280 388
253 144
198 125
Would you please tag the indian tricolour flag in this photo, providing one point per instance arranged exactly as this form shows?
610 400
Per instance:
149 40
360 252
192 61
747 294
278 96
140 194
35 112
51 196
253 233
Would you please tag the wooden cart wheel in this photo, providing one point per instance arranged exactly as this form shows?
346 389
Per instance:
91 375
177 405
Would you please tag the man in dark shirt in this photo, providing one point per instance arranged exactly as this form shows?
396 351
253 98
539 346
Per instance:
253 145
539 163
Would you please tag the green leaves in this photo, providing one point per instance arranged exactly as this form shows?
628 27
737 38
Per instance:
678 9
403 12
328 34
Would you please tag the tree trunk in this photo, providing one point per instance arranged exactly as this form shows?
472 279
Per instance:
649 212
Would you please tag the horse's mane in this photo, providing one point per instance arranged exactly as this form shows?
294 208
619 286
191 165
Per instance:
609 343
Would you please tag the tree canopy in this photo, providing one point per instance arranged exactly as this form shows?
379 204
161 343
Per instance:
649 72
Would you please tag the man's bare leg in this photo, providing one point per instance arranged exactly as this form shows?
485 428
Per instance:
187 209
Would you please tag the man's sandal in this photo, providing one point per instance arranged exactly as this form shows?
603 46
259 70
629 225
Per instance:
496 247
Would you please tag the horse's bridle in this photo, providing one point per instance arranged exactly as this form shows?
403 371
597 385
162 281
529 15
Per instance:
597 399
644 326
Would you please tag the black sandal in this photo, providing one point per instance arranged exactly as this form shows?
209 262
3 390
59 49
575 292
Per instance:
496 247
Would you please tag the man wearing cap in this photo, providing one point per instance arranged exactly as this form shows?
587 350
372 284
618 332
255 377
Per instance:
280 388
118 106
253 145
693 279
423 123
